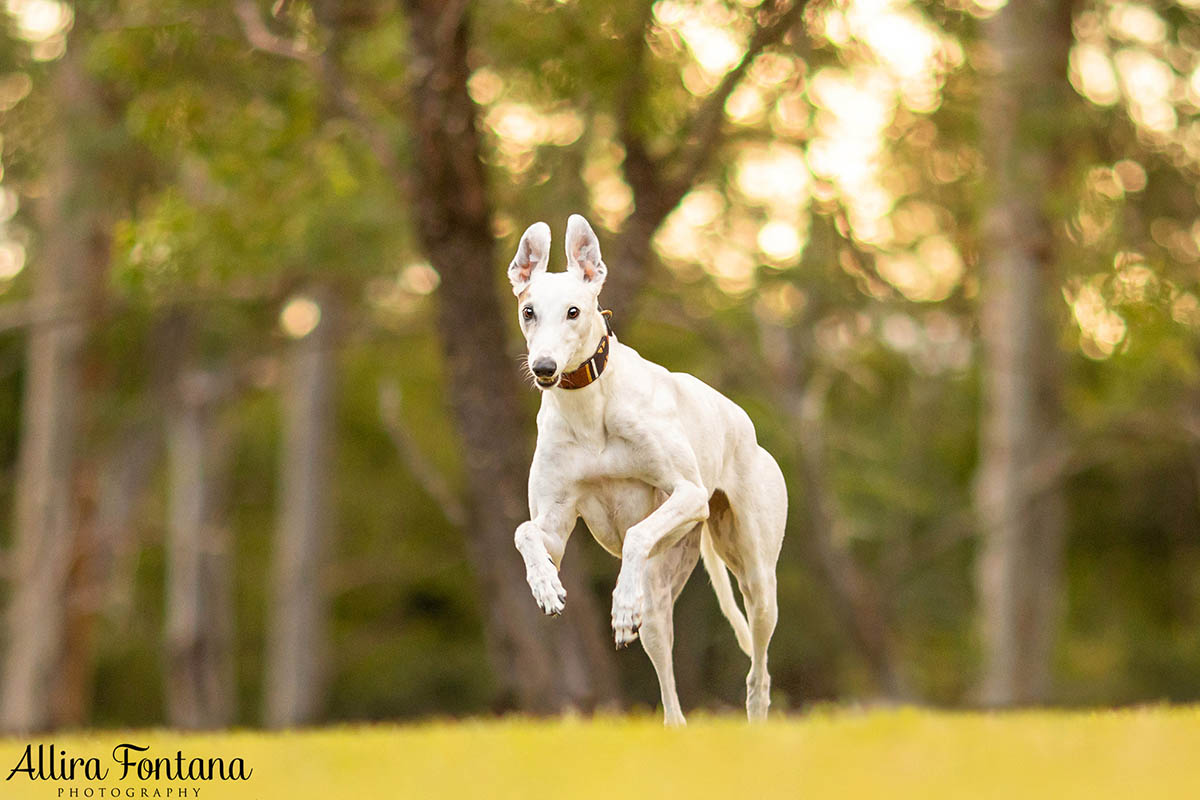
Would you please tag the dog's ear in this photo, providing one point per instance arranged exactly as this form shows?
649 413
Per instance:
533 254
583 252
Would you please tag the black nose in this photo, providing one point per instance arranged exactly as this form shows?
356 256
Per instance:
543 367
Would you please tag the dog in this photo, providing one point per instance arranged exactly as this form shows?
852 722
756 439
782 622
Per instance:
662 468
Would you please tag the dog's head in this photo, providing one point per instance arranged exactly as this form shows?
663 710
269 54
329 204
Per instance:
559 311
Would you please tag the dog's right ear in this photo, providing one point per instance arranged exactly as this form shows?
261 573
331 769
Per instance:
533 254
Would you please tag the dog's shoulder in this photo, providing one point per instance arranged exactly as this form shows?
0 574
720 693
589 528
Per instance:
698 399
653 386
643 383
692 388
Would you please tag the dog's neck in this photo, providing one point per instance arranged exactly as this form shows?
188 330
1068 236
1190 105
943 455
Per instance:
583 408
590 370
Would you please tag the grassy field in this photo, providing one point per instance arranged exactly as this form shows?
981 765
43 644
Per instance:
1141 753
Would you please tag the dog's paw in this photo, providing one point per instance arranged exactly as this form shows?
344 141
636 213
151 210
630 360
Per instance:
626 614
548 591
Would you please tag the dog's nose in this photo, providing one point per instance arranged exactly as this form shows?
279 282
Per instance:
544 367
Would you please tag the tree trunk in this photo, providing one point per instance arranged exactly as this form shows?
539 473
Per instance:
44 523
541 665
633 253
199 608
110 488
296 645
855 598
1018 498
100 581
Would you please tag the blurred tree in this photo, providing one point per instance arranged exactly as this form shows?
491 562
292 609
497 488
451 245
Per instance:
70 270
544 667
1019 491
297 647
199 605
804 389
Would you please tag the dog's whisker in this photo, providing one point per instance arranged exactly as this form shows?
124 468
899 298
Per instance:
527 374
526 371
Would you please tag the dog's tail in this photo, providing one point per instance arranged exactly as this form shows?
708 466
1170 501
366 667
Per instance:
724 591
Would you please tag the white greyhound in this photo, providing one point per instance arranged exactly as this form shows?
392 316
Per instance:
662 468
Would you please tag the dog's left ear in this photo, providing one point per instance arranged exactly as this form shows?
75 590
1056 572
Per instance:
583 252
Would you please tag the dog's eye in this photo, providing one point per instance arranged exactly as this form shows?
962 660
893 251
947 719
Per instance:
527 312
572 312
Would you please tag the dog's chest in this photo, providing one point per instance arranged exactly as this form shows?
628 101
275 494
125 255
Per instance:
612 506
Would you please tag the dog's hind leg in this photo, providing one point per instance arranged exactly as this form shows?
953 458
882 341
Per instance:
666 575
762 609
760 511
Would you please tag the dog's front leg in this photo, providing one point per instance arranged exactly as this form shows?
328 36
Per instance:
687 505
541 569
542 542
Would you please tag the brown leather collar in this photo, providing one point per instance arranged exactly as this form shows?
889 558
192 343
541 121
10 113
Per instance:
589 371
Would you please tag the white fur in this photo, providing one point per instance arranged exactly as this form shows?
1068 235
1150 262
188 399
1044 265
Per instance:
661 467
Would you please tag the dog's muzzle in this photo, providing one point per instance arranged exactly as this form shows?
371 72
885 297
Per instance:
544 372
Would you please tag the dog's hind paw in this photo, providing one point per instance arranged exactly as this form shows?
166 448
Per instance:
548 591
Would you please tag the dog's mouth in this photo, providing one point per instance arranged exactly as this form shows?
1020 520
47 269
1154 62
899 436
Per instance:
546 383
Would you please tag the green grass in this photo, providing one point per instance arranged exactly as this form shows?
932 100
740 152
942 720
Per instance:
1140 753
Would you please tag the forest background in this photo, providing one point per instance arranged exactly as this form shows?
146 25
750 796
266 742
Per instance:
263 434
